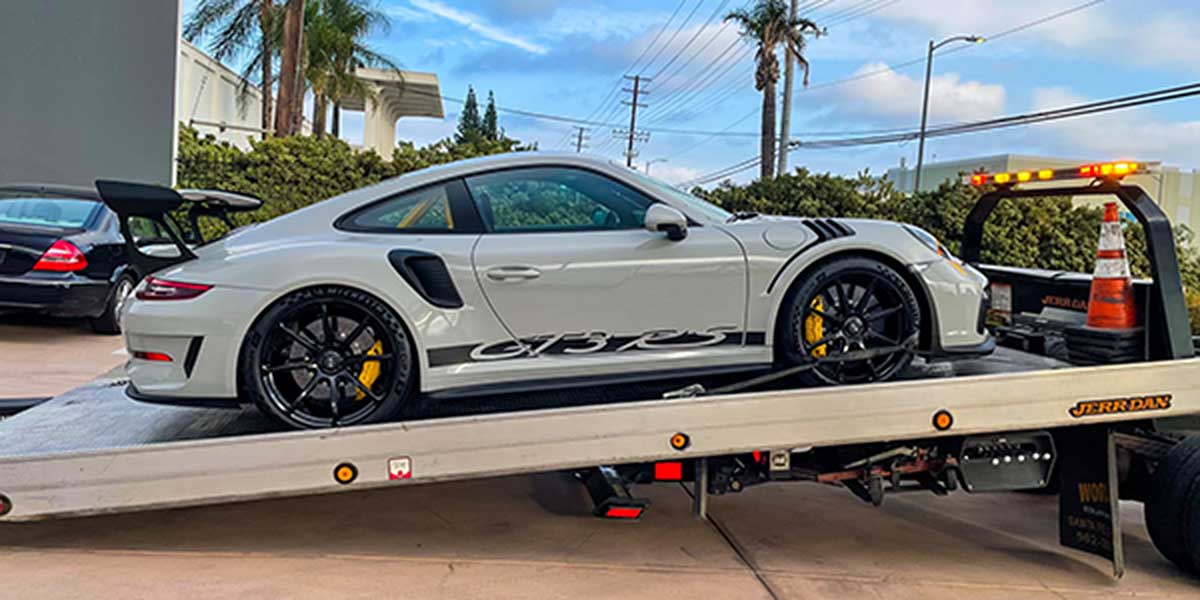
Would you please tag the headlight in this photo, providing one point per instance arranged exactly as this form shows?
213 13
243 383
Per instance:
933 244
928 240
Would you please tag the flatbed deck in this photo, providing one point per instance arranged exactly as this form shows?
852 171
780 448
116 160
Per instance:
99 416
93 451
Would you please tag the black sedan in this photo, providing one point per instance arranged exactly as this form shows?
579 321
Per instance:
62 254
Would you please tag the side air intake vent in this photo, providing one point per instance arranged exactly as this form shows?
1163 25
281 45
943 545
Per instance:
828 229
427 275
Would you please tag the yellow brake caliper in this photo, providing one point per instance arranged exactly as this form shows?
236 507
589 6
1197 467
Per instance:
814 328
370 370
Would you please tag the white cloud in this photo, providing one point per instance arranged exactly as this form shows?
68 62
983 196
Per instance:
408 15
1125 32
892 94
479 25
1131 134
672 173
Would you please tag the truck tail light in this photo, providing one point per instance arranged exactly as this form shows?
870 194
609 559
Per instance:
62 257
162 289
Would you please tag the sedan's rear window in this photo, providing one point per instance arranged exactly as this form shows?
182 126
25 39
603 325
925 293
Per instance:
47 212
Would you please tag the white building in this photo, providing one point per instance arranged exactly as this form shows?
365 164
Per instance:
210 98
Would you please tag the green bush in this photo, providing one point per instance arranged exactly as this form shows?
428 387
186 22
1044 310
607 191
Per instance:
293 172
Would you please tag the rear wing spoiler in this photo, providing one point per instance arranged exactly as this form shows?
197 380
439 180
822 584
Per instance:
156 203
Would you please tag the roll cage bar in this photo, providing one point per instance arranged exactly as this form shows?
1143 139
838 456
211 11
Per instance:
1167 327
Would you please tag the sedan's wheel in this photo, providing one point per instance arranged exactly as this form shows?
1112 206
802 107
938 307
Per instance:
110 321
855 318
328 357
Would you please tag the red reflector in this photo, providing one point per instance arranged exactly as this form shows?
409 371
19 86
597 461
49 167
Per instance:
161 289
62 256
668 471
622 512
152 356
757 456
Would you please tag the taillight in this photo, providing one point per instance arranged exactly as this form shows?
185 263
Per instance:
152 356
161 289
62 256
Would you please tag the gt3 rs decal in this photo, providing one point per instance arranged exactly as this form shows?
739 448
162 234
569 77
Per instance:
592 342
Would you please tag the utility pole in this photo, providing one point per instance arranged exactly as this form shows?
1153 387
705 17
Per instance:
633 105
580 137
785 122
972 39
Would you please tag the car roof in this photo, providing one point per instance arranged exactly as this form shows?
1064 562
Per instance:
51 190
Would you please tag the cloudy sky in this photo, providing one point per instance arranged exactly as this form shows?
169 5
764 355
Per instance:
566 57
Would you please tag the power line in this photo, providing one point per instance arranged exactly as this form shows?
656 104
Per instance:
1078 110
674 34
716 12
896 66
616 88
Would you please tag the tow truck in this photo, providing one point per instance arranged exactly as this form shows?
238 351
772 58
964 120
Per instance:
1016 420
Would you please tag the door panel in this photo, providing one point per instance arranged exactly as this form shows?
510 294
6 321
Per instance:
615 285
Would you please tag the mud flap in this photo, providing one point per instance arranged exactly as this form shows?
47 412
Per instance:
1089 516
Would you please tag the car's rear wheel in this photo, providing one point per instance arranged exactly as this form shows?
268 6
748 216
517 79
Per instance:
328 357
854 317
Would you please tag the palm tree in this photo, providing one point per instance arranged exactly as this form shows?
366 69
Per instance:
291 94
239 25
769 25
334 48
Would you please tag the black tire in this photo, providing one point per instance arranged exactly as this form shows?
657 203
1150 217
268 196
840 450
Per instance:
109 323
1173 506
861 304
319 340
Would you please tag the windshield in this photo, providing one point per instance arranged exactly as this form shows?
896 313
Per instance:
47 212
692 202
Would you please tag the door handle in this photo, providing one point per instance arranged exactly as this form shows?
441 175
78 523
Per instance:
513 273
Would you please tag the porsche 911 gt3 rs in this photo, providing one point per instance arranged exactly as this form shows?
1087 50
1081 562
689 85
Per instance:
526 271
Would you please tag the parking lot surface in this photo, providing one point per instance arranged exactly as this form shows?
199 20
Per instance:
534 537
46 357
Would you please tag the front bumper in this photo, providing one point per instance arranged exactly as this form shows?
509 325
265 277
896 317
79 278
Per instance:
202 337
55 294
958 300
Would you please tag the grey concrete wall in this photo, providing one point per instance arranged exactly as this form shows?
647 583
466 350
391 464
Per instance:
87 90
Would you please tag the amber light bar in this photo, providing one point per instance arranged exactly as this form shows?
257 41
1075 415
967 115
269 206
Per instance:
1112 171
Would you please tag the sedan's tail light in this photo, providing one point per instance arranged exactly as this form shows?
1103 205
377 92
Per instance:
161 289
62 256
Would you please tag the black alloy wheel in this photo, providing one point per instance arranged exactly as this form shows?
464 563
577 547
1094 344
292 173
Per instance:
328 357
856 318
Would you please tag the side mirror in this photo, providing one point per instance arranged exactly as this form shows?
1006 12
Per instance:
663 218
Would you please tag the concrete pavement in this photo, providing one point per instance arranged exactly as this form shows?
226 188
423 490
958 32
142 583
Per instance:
46 357
534 537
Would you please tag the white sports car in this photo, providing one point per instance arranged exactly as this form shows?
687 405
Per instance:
525 271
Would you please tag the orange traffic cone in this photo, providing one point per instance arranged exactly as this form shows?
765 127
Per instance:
1111 303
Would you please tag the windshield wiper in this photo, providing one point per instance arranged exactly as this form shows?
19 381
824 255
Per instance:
741 215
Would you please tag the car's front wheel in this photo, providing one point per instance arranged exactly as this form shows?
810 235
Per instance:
328 357
855 319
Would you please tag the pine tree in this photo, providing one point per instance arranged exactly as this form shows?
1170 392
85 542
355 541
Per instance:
491 125
470 128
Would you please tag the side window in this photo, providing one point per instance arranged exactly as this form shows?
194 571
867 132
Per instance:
424 210
555 199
